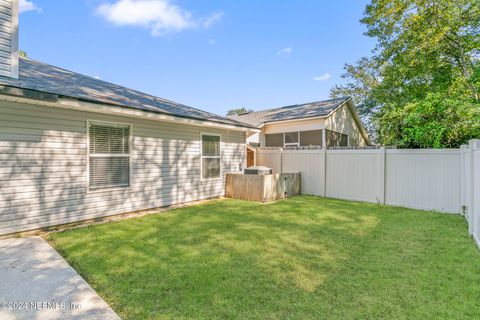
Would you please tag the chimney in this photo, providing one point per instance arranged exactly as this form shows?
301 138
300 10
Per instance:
9 38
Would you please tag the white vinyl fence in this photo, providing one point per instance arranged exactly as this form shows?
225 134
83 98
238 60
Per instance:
445 180
470 187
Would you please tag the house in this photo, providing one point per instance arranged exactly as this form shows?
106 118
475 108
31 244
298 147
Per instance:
328 123
74 148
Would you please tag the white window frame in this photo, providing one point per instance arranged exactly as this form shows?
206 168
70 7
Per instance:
88 155
292 144
210 157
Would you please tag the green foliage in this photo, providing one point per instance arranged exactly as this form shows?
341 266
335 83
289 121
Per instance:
425 91
238 111
435 121
301 258
22 53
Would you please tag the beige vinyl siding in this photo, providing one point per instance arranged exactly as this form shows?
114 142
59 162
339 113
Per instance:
343 121
43 167
297 125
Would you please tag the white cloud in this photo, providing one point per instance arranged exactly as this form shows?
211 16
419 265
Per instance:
284 52
211 19
212 41
323 77
159 16
25 5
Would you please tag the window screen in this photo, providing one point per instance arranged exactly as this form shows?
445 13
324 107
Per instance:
210 156
311 138
291 137
336 139
274 140
109 156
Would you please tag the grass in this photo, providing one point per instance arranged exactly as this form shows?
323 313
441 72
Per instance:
301 258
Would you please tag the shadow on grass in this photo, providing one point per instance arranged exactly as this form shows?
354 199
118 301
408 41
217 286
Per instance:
304 257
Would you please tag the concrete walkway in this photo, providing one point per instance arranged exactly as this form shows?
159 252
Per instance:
36 283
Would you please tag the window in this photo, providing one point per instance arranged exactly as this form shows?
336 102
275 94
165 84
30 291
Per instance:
336 139
274 140
210 156
291 138
311 138
108 155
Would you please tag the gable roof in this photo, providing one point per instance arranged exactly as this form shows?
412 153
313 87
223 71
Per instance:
297 111
45 78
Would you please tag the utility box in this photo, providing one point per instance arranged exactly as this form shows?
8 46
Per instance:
262 187
257 170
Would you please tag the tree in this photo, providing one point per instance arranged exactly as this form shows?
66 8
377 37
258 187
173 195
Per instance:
238 111
362 77
425 88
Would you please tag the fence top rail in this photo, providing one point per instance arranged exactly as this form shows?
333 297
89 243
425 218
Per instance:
388 150
424 151
354 151
310 148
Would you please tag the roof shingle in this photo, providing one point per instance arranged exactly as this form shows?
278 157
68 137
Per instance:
298 111
34 75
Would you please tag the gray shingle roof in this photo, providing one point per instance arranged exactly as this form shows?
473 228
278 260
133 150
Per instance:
298 111
34 75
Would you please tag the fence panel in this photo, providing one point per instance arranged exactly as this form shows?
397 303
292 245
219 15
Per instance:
446 180
427 179
355 175
310 164
271 159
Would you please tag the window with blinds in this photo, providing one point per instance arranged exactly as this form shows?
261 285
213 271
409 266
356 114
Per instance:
109 155
211 156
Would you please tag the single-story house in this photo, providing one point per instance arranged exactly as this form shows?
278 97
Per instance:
329 123
73 147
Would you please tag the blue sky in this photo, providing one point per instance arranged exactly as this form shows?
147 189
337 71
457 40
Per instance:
213 55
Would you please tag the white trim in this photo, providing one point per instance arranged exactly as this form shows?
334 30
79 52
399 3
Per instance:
291 144
124 112
88 155
358 120
14 41
324 138
292 120
220 177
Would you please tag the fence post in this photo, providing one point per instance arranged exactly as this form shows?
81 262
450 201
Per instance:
464 155
281 160
382 175
324 171
472 146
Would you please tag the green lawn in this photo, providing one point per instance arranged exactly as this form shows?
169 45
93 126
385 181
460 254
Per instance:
301 258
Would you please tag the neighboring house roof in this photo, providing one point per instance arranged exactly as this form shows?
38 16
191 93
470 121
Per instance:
298 111
37 76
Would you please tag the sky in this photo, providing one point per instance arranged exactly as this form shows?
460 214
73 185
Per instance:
214 55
